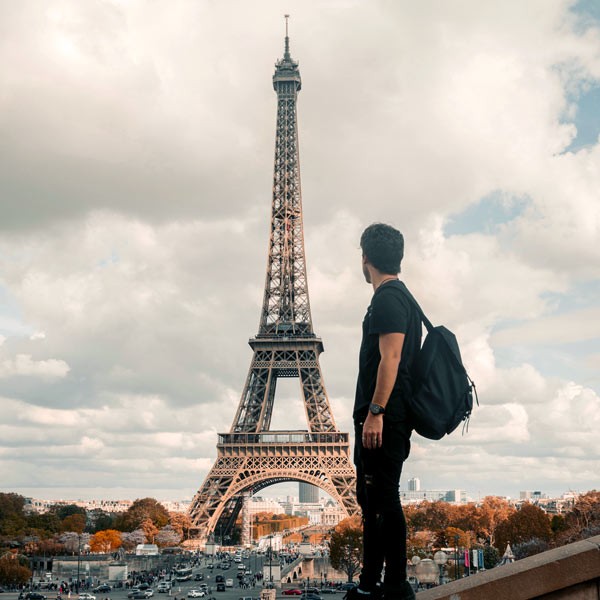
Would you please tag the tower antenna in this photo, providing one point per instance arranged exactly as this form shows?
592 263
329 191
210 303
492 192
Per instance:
287 39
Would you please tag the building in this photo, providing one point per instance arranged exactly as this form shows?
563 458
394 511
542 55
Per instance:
532 496
452 496
414 484
308 493
259 504
332 514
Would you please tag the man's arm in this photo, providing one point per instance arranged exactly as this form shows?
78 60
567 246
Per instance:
390 349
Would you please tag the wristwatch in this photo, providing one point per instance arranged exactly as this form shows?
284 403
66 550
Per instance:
376 409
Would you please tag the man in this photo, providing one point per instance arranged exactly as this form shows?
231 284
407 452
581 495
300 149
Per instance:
390 342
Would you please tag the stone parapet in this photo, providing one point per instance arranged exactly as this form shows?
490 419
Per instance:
571 571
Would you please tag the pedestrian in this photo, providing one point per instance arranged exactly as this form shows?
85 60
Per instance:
391 339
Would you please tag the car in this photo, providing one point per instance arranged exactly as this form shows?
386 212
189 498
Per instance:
219 579
347 586
141 594
226 566
103 587
199 577
220 587
143 586
210 566
196 594
86 596
292 592
311 590
328 590
229 583
34 596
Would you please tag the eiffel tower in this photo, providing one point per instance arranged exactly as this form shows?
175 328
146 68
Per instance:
251 456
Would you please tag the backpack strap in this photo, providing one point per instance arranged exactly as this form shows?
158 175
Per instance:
402 287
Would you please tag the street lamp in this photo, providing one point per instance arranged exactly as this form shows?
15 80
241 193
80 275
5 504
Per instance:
440 558
78 559
456 556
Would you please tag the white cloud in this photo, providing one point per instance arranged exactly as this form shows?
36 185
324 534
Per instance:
133 232
24 365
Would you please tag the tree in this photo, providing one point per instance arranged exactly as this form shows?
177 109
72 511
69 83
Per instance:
12 518
529 548
491 557
583 520
140 511
99 520
131 539
62 511
168 536
73 541
12 572
525 524
105 541
182 523
346 546
493 510
150 530
448 538
46 522
74 522
437 515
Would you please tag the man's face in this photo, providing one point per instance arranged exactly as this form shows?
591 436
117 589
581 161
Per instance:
365 269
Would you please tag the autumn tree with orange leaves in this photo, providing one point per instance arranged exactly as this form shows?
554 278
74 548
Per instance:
346 546
105 541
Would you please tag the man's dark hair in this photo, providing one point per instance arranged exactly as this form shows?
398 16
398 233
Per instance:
384 247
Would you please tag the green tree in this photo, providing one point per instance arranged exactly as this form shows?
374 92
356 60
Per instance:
491 557
346 546
12 517
62 511
100 520
45 524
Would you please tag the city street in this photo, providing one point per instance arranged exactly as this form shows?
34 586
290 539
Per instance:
253 564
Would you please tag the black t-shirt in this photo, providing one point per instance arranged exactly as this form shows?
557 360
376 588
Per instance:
390 311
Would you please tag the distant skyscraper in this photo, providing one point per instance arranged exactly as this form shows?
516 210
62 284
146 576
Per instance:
414 484
308 493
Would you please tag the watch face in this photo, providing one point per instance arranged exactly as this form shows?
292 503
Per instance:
376 409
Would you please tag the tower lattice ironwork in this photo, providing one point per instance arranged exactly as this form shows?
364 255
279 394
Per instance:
251 456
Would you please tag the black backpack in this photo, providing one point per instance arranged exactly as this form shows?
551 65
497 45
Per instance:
443 392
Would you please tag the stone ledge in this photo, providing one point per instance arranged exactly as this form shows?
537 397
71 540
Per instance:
573 566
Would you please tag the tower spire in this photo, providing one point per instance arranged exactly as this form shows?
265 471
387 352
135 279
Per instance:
286 54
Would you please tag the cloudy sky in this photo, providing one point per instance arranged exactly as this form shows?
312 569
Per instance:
136 157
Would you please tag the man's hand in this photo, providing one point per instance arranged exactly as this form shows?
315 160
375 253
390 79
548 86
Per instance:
372 433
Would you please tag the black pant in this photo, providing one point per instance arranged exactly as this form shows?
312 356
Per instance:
377 490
